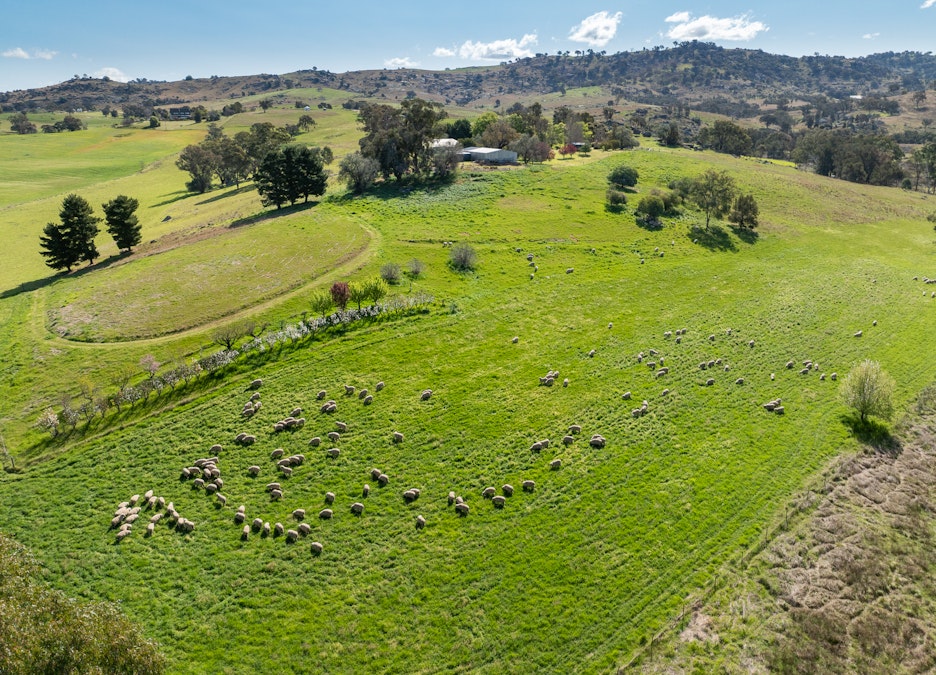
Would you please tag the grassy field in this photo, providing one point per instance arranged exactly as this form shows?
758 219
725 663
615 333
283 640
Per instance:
573 577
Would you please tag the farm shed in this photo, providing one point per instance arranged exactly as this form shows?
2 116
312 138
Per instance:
489 155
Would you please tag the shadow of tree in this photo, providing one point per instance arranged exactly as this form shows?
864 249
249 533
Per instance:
748 236
270 215
615 208
715 238
228 193
172 197
874 434
36 284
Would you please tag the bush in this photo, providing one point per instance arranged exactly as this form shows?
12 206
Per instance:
650 208
416 268
341 294
616 198
745 212
390 272
622 177
463 257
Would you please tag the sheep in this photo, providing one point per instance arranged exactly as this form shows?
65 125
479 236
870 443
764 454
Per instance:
462 509
858 334
528 485
451 498
148 494
325 514
296 412
265 531
711 338
459 500
299 514
498 501
772 376
278 427
222 500
727 367
287 471
304 529
329 497
273 486
326 407
315 441
569 270
253 470
654 352
420 522
357 508
751 344
348 390
397 437
424 396
661 372
822 377
366 490
316 548
556 464
804 371
240 437
597 441
709 382
278 530
375 473
703 365
256 384
362 394
651 365
779 410
239 517
276 495
507 489
122 535
156 517
789 365
626 396
333 452
833 376
488 492
678 340
591 353
668 334
333 436
321 395
575 429
536 447
874 323
568 440
383 479
565 382
516 338
342 427
740 380
134 499
410 496
117 520
257 524
211 488
291 536
198 483
249 439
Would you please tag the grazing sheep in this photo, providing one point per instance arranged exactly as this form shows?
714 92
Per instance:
420 522
296 412
874 323
156 518
711 338
383 479
488 492
822 377
661 372
498 501
409 496
276 495
654 352
291 536
569 270
256 384
357 508
211 488
555 464
315 442
316 548
265 532
366 490
536 447
626 396
134 499
379 386
348 390
751 344
789 365
321 395
651 365
287 471
772 377
709 382
507 489
833 376
333 436
565 382
215 448
858 334
122 535
597 441
279 426
341 426
779 410
299 514
304 529
325 514
591 353
462 509
222 500
375 473
397 437
198 483
362 394
249 439
575 429
117 520
329 497
148 494
425 395
368 400
804 371
278 530
568 440
257 524
273 486
333 452
459 500
239 517
740 380
678 340
516 338
253 470
245 533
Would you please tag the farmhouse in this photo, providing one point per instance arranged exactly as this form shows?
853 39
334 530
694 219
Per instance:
489 155
184 113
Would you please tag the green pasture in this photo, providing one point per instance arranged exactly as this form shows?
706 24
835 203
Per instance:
573 577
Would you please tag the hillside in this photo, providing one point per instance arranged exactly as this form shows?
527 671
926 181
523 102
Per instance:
689 73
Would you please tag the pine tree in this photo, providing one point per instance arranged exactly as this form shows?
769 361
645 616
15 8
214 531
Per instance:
122 224
72 241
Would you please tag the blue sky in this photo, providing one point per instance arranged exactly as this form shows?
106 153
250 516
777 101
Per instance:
49 42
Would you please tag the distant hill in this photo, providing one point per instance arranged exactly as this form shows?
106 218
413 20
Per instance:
691 72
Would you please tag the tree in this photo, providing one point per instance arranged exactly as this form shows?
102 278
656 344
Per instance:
567 150
623 177
265 104
340 294
357 293
305 122
499 134
231 162
745 212
20 124
713 192
289 174
122 223
869 390
358 171
670 136
650 208
71 241
201 164
726 137
375 290
321 303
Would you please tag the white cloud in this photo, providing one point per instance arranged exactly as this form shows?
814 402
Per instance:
113 73
871 36
928 4
713 28
597 30
400 62
20 53
498 50
443 52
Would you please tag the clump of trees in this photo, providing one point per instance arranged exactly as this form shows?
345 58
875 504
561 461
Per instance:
291 173
43 631
399 139
20 124
71 241
69 123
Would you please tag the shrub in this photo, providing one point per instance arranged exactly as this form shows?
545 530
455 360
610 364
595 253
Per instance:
463 257
390 272
622 177
745 212
341 294
416 268
616 198
650 208
321 303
